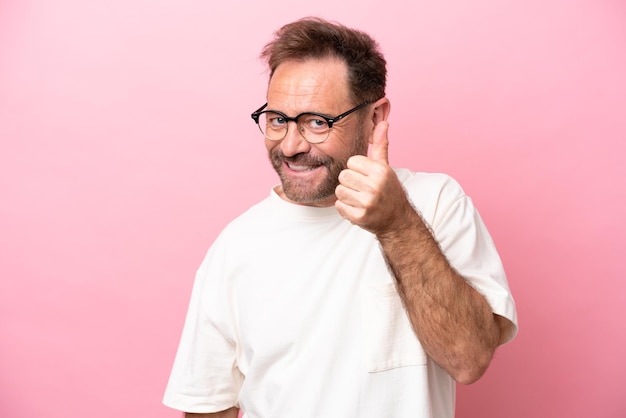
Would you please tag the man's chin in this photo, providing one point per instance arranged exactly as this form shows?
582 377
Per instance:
303 195
312 188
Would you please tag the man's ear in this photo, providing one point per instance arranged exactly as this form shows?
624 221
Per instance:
381 110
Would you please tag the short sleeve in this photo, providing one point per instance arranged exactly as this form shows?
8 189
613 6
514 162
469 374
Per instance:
205 377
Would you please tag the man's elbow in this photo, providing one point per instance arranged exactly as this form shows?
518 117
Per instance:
469 375
472 370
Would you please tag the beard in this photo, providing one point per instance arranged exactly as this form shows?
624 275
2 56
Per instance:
306 192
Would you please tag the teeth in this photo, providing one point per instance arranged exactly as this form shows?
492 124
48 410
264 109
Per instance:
299 167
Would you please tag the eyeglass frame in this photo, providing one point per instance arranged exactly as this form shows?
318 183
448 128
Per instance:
329 120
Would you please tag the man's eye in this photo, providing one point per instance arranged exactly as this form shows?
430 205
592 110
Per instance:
317 124
276 121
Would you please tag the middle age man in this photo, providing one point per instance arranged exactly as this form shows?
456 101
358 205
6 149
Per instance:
355 289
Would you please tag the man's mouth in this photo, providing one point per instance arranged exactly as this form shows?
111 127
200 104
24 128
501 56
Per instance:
301 167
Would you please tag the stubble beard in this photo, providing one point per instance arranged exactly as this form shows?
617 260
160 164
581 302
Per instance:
302 191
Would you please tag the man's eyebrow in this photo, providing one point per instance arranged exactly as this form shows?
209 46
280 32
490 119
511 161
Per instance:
314 112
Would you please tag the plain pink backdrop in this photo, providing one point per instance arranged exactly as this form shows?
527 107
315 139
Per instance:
126 145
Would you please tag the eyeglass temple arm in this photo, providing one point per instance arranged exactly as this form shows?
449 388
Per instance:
255 114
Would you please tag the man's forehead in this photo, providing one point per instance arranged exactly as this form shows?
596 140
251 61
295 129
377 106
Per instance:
312 82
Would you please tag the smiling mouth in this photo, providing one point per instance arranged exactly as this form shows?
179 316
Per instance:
301 167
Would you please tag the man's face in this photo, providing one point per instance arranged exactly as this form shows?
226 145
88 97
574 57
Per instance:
309 172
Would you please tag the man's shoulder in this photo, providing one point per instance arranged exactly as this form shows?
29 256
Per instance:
252 215
427 181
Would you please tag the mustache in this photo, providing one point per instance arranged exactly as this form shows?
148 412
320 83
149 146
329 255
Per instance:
278 158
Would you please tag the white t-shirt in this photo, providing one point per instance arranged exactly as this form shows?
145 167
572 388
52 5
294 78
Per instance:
295 314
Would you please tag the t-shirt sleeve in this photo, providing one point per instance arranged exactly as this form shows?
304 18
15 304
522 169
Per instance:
205 377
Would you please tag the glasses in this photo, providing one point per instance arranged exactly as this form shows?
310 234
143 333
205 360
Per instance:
314 127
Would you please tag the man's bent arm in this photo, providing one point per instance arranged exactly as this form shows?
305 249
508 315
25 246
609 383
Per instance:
229 413
452 320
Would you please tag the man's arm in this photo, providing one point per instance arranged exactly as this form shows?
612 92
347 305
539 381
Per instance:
453 321
229 413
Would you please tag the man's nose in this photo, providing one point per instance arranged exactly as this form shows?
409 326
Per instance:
294 143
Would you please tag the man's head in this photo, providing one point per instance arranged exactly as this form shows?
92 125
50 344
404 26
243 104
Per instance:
327 69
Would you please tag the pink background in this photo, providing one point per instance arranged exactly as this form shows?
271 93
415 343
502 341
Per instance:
126 145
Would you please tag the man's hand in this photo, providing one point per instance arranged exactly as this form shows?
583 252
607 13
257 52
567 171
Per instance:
369 193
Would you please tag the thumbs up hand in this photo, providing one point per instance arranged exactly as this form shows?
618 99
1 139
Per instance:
369 193
379 150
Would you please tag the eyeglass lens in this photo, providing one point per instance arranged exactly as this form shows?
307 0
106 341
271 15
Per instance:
312 127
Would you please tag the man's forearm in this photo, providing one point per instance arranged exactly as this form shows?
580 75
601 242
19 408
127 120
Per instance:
452 320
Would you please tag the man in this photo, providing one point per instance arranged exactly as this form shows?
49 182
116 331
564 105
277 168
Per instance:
354 289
